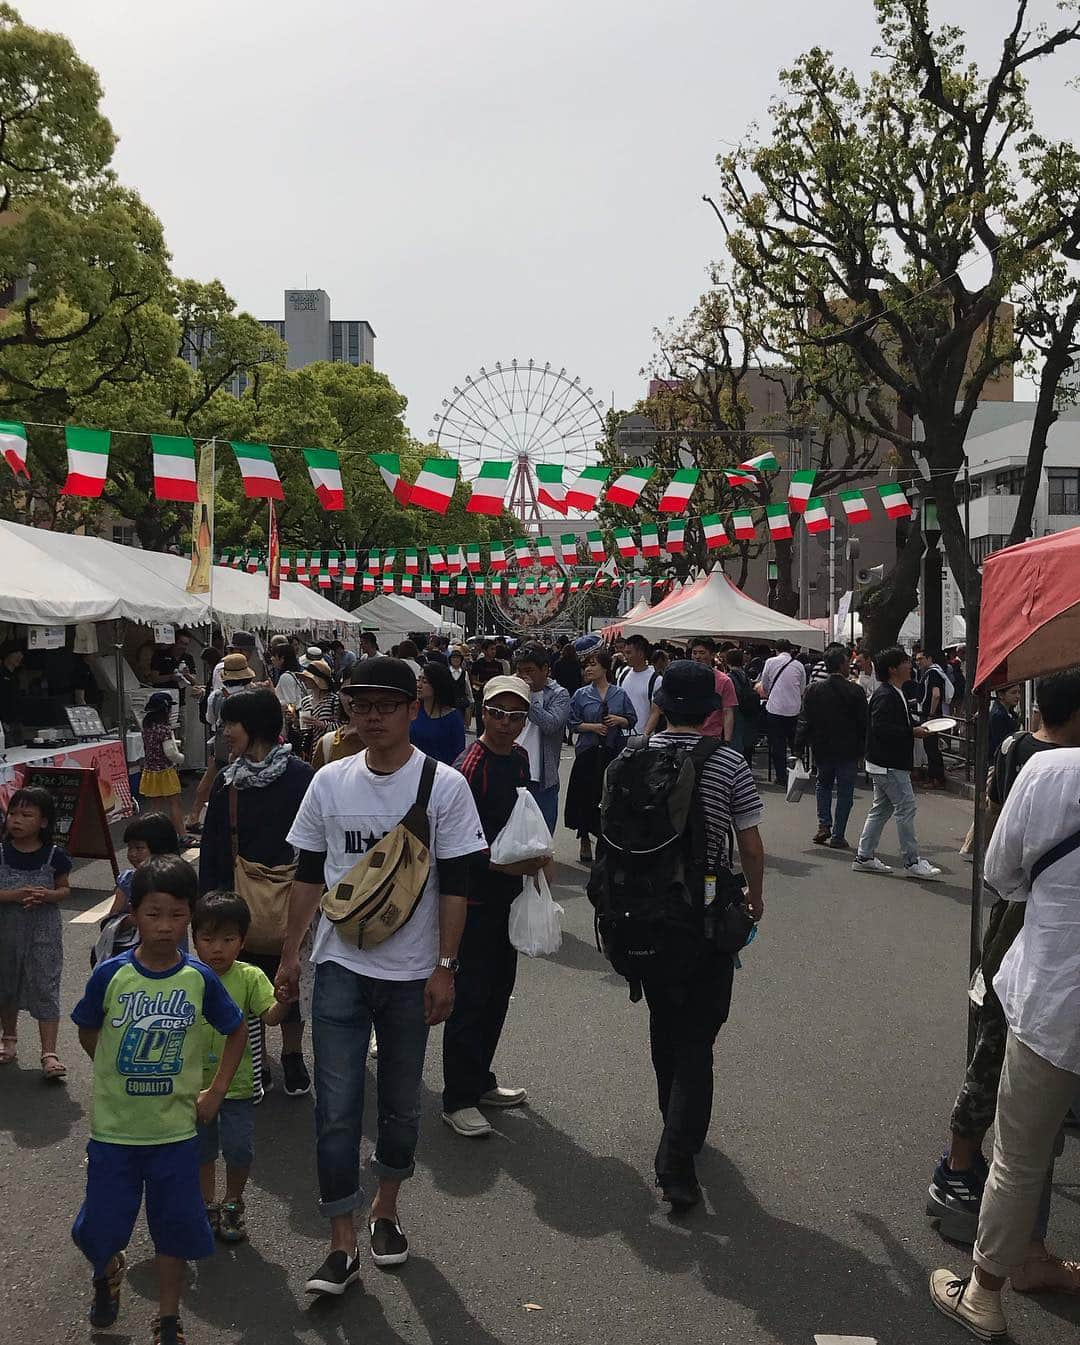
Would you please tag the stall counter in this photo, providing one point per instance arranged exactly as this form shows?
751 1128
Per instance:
105 755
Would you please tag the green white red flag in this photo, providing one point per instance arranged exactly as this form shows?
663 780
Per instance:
737 479
568 549
597 551
389 559
715 534
551 490
624 542
261 481
800 488
498 556
626 489
389 465
855 507
88 461
675 539
584 492
764 462
545 551
472 557
455 562
779 522
434 488
412 560
374 562
816 516
650 540
743 522
350 562
436 560
174 468
333 562
522 552
676 499
13 443
489 488
324 468
895 501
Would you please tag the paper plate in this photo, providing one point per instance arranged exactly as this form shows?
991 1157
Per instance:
940 725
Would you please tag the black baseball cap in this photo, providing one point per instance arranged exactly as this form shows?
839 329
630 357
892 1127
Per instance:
687 692
382 673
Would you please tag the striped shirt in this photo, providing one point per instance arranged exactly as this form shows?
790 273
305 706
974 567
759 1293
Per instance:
728 793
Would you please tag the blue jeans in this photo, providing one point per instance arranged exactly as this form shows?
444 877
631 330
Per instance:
842 775
345 1007
231 1133
548 799
893 794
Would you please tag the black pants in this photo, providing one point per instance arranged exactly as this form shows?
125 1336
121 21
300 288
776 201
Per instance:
781 731
935 766
483 986
683 1022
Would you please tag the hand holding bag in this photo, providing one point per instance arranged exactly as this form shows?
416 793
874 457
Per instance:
536 920
525 835
265 889
798 782
173 755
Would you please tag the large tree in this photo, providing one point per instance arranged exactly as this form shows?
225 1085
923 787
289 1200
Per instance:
884 223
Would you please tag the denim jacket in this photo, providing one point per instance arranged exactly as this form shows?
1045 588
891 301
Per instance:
585 708
549 710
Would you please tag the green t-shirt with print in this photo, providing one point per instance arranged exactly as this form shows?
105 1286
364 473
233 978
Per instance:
148 1065
252 993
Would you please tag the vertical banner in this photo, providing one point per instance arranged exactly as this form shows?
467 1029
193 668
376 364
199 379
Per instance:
273 558
202 525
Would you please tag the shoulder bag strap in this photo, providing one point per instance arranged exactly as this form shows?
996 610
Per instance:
1056 852
652 683
235 844
416 819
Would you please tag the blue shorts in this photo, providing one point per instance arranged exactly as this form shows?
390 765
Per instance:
116 1175
231 1133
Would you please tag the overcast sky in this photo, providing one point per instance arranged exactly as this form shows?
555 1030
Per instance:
478 180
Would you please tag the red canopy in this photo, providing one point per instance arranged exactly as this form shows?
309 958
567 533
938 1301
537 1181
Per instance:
1030 616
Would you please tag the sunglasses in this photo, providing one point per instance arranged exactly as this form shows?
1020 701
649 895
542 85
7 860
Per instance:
514 716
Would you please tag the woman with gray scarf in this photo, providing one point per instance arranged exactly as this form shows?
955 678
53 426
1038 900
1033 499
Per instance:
270 784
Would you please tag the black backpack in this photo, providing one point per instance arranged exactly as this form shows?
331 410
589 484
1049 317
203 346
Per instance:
648 883
749 700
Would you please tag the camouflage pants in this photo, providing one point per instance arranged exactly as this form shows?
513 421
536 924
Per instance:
976 1102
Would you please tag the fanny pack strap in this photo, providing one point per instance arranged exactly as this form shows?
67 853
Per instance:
232 824
416 819
1056 852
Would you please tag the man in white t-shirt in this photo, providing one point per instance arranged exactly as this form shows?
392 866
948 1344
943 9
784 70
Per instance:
783 681
401 987
640 680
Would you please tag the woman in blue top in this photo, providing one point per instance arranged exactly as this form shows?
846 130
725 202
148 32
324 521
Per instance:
600 715
438 728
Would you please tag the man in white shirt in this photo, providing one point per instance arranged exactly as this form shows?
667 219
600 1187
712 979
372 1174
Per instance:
640 680
401 986
1034 857
783 681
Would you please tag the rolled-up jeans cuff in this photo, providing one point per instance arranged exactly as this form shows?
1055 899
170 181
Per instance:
332 1208
391 1174
991 1267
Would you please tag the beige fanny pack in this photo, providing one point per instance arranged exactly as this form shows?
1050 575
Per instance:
383 888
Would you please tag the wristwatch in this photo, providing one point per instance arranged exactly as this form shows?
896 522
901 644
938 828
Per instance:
449 964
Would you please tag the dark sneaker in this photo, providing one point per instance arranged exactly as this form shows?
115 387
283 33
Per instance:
821 836
169 1331
585 851
336 1273
681 1193
838 843
297 1079
954 1199
213 1215
233 1228
389 1245
106 1305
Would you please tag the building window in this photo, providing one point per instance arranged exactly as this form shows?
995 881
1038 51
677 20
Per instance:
1064 491
1010 482
335 341
124 534
981 547
354 343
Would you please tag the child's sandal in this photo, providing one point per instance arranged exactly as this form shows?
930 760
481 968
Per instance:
52 1067
9 1050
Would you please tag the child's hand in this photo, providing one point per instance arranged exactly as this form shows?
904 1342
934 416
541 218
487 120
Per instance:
36 896
207 1105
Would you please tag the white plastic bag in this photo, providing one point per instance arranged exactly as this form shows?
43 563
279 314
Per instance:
525 835
536 920
798 781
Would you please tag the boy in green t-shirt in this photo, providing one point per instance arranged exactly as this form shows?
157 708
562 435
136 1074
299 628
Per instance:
220 925
140 1021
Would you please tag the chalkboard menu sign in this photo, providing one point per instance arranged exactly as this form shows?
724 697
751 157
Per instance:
81 827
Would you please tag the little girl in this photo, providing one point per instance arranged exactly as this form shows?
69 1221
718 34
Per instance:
159 779
33 878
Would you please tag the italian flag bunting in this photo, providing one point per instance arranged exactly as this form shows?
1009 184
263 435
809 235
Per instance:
324 468
597 551
389 465
388 583
13 443
444 587
348 583
367 584
425 586
480 584
324 579
575 584
764 462
434 487
744 525
88 461
389 559
737 479
522 552
454 561
301 566
315 562
512 587
800 489
675 541
436 561
530 587
584 492
333 562
498 556
568 548
816 516
406 583
174 468
252 562
545 551
779 522
650 540
676 499
489 488
713 528
624 541
894 500
261 481
472 557
855 507
626 489
412 560
374 562
285 564
350 562
552 492
461 584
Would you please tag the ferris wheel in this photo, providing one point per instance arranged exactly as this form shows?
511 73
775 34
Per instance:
529 412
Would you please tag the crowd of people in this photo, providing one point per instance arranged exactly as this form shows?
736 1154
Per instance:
339 873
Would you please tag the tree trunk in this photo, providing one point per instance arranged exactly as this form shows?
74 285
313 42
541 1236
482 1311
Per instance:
787 596
884 609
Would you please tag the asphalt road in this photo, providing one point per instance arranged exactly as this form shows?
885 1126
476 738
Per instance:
835 1076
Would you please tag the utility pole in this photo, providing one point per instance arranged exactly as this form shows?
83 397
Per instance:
805 464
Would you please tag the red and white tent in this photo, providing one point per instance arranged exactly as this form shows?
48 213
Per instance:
712 605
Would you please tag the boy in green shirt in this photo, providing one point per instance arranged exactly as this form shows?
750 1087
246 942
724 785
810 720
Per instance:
220 925
140 1021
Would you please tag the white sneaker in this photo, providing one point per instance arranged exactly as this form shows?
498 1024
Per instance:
503 1097
468 1121
949 1295
922 868
871 865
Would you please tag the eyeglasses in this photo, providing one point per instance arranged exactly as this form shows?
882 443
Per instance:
514 716
377 707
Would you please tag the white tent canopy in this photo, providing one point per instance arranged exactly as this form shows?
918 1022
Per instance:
716 607
57 578
394 616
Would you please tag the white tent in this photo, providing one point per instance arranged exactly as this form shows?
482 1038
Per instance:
614 628
393 616
714 606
